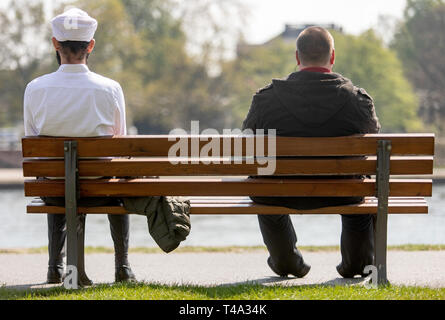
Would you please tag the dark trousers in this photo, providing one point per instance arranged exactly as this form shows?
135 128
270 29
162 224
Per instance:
119 227
357 237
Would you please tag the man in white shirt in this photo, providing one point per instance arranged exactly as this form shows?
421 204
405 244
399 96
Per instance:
75 102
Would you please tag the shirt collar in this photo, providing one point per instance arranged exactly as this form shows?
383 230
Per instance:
74 68
316 69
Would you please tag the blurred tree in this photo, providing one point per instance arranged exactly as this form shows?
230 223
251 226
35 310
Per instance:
369 64
22 54
253 68
209 37
420 43
160 36
362 58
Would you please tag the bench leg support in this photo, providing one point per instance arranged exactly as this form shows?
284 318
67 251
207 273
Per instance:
381 225
72 221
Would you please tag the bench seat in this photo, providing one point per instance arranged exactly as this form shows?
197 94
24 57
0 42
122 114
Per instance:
243 205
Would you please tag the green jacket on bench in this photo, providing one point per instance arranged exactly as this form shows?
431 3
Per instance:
168 218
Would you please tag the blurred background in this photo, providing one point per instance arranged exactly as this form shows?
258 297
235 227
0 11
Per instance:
203 60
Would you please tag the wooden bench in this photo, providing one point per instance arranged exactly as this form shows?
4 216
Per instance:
380 155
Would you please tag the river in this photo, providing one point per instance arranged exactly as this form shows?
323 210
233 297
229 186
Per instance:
19 230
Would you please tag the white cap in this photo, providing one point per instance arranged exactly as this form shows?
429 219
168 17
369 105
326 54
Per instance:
74 25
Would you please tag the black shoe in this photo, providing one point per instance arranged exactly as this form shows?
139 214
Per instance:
124 274
298 272
350 272
55 275
83 280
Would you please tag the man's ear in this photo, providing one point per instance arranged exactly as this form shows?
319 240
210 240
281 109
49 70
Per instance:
56 44
91 46
298 58
332 61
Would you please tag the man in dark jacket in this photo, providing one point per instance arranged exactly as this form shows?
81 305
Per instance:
314 102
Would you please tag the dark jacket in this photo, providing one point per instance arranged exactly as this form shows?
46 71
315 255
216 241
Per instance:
312 104
168 218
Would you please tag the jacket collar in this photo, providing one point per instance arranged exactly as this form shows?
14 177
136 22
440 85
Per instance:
316 69
74 68
314 76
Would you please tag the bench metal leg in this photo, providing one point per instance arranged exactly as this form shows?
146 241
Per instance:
383 173
72 222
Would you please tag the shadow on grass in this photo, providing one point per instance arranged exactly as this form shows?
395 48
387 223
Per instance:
161 291
291 282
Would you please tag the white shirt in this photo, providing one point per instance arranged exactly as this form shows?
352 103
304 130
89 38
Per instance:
74 102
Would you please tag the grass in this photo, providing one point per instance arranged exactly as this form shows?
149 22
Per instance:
143 291
240 249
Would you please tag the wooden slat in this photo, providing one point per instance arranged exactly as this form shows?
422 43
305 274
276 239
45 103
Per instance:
163 167
148 146
409 206
247 200
203 198
244 200
229 187
371 208
40 208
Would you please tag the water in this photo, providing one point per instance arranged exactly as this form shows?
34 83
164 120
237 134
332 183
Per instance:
19 230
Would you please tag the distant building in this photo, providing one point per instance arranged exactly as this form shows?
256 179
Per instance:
290 34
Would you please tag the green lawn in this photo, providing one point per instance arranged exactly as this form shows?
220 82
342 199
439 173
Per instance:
141 291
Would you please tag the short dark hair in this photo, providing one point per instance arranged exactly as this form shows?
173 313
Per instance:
75 49
315 45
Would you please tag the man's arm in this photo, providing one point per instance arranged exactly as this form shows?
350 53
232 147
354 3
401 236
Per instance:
30 129
120 126
251 121
369 121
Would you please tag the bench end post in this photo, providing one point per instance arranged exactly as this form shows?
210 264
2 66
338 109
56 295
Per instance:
72 222
381 225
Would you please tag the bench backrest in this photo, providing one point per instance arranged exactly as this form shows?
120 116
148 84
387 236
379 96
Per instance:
411 154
